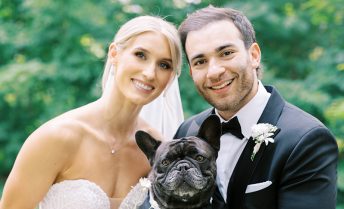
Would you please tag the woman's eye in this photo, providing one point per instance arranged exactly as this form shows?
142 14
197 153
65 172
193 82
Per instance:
140 55
200 158
165 66
165 162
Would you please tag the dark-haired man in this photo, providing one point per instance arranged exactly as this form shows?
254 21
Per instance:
289 160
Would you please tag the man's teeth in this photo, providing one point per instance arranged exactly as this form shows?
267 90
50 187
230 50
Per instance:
142 86
221 86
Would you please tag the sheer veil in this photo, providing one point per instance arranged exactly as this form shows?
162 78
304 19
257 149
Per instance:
165 113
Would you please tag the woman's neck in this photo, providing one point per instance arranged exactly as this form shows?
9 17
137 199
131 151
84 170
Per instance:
120 115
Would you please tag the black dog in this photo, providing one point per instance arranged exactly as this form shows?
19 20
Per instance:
183 170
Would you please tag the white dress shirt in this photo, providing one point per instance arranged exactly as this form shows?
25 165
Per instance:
230 146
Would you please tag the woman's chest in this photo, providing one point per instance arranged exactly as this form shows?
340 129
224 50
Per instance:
115 172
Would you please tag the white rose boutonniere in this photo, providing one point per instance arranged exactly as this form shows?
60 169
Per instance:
146 183
262 132
137 195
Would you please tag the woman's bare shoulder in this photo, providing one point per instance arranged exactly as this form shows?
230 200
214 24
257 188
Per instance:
50 148
64 131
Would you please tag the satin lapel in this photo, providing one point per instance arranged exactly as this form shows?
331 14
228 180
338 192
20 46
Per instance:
196 124
273 108
245 167
193 129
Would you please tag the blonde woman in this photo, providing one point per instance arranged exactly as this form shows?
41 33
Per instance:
87 158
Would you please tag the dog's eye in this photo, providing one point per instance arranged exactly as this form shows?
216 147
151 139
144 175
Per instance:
199 158
165 162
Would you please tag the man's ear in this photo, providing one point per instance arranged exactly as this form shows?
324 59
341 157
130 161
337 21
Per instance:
112 53
255 54
147 144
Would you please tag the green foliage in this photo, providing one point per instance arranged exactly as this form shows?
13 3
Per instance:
23 89
52 55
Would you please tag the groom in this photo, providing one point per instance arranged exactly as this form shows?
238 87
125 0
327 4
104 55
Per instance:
294 170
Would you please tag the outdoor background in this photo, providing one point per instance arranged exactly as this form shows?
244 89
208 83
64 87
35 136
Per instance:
52 54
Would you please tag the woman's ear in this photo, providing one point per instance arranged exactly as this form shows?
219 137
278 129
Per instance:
254 51
112 53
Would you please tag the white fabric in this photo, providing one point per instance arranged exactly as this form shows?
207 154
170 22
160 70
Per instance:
257 187
137 196
230 146
165 113
75 194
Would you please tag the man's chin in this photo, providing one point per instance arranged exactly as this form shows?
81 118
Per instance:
222 105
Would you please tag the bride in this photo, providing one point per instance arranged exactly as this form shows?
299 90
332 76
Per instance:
87 158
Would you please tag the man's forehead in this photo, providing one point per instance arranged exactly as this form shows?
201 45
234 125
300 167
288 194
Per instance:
211 37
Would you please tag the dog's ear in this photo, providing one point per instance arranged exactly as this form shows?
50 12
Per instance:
210 131
147 144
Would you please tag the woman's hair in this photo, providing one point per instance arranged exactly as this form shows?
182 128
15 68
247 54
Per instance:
142 24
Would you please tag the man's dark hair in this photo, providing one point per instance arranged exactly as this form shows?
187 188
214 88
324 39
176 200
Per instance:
210 14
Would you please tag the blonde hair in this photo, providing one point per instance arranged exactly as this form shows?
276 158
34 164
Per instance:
141 24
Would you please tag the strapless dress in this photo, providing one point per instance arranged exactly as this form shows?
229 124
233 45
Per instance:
75 194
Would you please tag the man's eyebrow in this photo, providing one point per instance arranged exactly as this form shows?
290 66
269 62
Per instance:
220 48
196 57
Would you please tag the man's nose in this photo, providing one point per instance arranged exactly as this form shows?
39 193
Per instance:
215 69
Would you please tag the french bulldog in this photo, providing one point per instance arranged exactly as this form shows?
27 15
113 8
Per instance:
183 170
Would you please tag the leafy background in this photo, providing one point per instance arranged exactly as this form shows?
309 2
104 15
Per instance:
52 55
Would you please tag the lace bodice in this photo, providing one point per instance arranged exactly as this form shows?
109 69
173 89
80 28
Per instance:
75 194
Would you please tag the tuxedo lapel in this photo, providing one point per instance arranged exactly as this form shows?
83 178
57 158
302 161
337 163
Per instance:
273 108
196 123
245 167
193 129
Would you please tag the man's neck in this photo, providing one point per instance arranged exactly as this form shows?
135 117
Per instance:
230 113
250 113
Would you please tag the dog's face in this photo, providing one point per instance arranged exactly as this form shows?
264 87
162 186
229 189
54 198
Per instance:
183 170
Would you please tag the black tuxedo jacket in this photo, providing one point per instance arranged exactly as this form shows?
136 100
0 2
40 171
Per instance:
301 164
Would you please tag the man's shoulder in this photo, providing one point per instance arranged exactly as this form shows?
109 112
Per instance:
293 116
298 124
300 116
183 129
199 117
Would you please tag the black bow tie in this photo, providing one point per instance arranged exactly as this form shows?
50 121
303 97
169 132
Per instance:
233 127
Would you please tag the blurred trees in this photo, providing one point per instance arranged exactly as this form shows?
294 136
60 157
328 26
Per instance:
52 55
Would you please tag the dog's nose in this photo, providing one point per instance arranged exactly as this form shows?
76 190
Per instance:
183 166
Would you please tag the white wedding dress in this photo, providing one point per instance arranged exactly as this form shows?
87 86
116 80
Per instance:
165 114
75 194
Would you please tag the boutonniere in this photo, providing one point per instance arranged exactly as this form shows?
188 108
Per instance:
146 183
137 195
262 132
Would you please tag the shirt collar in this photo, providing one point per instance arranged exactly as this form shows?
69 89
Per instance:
251 112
